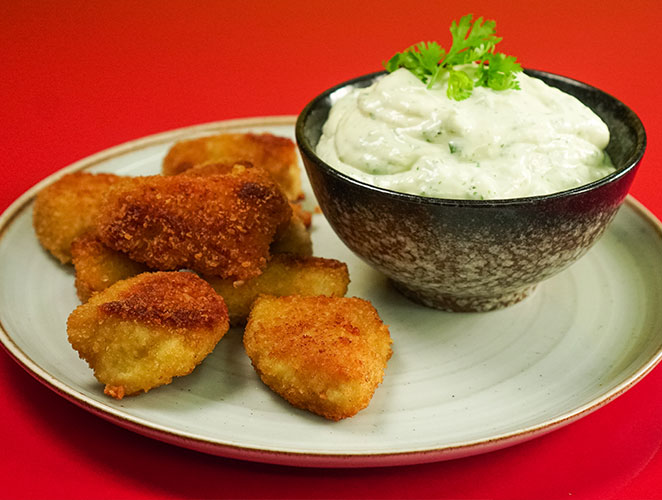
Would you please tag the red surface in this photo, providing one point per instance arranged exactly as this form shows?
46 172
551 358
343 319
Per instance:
78 77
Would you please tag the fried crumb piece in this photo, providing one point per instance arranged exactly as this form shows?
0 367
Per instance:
322 354
98 267
284 275
221 225
303 214
141 332
277 155
294 239
68 208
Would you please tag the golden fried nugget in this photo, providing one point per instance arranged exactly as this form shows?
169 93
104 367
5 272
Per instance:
68 208
294 239
284 275
141 332
217 168
277 155
98 267
221 225
322 354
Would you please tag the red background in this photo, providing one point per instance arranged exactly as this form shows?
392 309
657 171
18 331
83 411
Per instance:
78 77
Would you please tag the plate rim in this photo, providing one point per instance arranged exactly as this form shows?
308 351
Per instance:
263 454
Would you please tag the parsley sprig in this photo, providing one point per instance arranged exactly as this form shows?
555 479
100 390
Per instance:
473 44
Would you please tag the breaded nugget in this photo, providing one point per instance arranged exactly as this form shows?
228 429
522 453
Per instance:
277 155
68 208
284 275
322 354
294 239
221 225
98 267
217 168
141 332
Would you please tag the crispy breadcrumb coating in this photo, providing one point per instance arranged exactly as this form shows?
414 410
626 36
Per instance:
68 208
284 275
322 354
141 332
277 155
97 266
221 225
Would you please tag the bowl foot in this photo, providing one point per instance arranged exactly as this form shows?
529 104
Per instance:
447 302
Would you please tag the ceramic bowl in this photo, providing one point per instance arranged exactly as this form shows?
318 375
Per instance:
472 255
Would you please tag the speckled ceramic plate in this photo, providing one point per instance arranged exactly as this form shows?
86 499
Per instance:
457 384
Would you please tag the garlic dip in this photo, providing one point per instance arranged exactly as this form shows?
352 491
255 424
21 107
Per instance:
399 135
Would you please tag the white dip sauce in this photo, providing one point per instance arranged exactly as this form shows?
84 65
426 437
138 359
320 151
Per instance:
399 135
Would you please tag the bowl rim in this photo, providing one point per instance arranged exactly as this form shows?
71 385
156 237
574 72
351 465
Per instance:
630 164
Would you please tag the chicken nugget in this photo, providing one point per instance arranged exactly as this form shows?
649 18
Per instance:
284 275
97 266
326 355
141 332
218 168
294 238
277 155
221 225
68 208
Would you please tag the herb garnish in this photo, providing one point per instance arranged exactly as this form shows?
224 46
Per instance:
473 42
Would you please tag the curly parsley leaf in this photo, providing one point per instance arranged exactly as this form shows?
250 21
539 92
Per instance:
499 72
460 85
421 59
473 44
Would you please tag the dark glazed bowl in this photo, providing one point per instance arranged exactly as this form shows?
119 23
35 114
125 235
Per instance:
472 255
